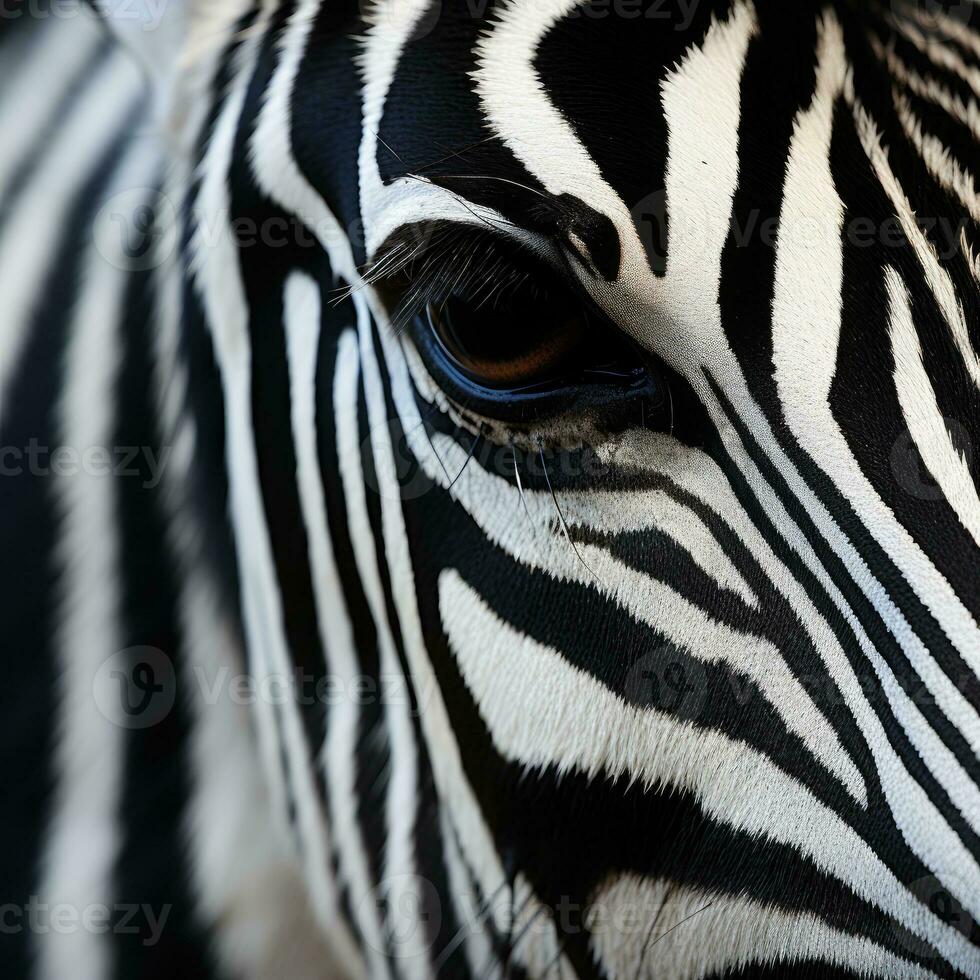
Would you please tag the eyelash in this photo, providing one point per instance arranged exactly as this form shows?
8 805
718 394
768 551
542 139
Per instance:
463 261
547 355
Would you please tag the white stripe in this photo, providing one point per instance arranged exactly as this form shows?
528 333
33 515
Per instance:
810 263
941 163
454 789
923 416
610 513
930 89
251 892
714 348
342 748
408 199
701 933
925 831
491 501
932 19
519 110
273 163
940 54
35 227
248 885
702 172
937 278
219 281
702 479
217 277
301 309
401 875
542 712
470 913
32 94
679 320
84 833
806 327
694 312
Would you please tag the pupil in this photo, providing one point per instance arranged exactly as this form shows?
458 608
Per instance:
507 347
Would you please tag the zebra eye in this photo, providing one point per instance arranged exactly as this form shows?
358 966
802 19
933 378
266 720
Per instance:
506 336
511 349
534 360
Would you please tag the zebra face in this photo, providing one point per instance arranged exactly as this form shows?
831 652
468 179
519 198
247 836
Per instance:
627 369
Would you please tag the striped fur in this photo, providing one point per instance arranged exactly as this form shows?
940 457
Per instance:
706 709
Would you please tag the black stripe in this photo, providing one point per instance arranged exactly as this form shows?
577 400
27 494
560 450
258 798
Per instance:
326 113
872 85
271 245
859 604
75 87
427 833
805 970
773 619
544 818
30 604
153 865
604 69
372 752
931 70
208 479
880 565
454 143
864 400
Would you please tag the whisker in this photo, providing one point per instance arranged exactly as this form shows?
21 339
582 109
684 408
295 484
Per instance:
476 439
645 948
561 518
676 925
377 136
428 436
523 498
459 153
502 180
500 219
510 941
453 944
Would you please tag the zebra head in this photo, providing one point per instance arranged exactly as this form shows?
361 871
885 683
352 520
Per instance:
594 389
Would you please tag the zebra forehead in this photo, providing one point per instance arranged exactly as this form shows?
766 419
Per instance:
520 107
465 72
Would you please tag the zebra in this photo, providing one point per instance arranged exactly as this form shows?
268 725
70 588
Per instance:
490 489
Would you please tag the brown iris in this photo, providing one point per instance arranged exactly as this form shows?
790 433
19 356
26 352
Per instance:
510 349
